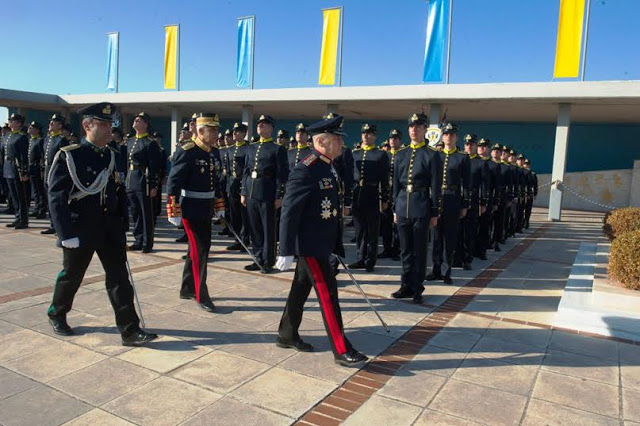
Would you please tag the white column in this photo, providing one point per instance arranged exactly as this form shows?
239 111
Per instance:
434 115
559 160
247 119
175 128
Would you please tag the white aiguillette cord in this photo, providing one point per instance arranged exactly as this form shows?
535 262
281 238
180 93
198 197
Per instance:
98 185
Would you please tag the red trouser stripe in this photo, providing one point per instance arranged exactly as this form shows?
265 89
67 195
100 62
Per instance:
195 260
327 306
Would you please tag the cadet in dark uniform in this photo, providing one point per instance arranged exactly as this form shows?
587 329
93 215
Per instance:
454 203
493 201
282 138
16 171
89 212
225 151
119 145
36 166
185 134
510 227
4 189
301 150
236 157
52 144
468 246
533 192
312 228
417 182
388 227
505 197
144 164
162 174
196 181
265 175
370 197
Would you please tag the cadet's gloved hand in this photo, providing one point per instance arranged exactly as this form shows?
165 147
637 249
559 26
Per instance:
175 221
284 262
220 213
71 243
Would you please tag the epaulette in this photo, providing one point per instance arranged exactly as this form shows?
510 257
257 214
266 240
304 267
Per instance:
187 146
70 147
310 159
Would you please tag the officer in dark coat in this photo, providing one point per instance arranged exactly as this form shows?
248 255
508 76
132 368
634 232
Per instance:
88 210
52 144
162 174
468 246
282 138
493 201
456 171
506 195
36 166
144 165
16 171
417 182
195 180
388 228
311 227
236 157
370 197
301 149
533 192
265 176
5 197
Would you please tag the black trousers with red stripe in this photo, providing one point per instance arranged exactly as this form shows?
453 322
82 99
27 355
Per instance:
314 272
194 275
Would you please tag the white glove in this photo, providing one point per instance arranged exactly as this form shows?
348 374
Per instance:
284 262
71 243
175 221
220 214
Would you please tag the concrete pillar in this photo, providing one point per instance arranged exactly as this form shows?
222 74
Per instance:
247 119
435 112
559 161
634 195
175 128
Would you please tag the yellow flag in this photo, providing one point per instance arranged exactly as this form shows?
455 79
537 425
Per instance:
170 56
569 44
329 51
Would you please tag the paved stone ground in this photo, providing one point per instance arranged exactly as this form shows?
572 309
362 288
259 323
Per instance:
481 351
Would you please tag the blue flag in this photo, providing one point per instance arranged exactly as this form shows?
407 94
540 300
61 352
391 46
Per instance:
244 66
436 47
112 61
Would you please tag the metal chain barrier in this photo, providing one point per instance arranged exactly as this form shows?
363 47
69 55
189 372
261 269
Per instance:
562 186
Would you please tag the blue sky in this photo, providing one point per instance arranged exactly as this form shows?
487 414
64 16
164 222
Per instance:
60 47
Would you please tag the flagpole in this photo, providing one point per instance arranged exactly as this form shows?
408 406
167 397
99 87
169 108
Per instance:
253 48
449 41
118 64
584 45
340 56
178 61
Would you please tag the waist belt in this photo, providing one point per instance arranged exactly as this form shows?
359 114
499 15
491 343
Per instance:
135 167
209 195
450 187
372 184
416 188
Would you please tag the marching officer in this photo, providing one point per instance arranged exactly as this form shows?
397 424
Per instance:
236 162
468 246
52 144
370 197
16 171
312 228
196 181
144 165
36 165
417 184
265 175
533 191
301 150
454 203
495 190
388 227
88 210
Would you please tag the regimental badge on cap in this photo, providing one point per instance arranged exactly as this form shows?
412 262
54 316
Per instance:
301 127
470 138
496 146
414 117
433 135
329 116
449 128
107 110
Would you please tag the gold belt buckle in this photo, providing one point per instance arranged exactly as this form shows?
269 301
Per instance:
132 167
361 182
409 188
254 174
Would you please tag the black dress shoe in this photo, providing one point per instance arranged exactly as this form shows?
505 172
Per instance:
466 266
41 216
147 250
369 268
234 246
403 293
447 279
497 248
11 225
182 239
187 295
60 326
253 267
417 299
433 277
138 338
385 255
357 265
48 231
184 256
298 345
351 359
21 226
135 247
266 269
207 306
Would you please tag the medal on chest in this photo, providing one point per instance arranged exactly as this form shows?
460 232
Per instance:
325 209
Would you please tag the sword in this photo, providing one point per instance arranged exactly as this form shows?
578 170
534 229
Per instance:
230 228
384 324
135 293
